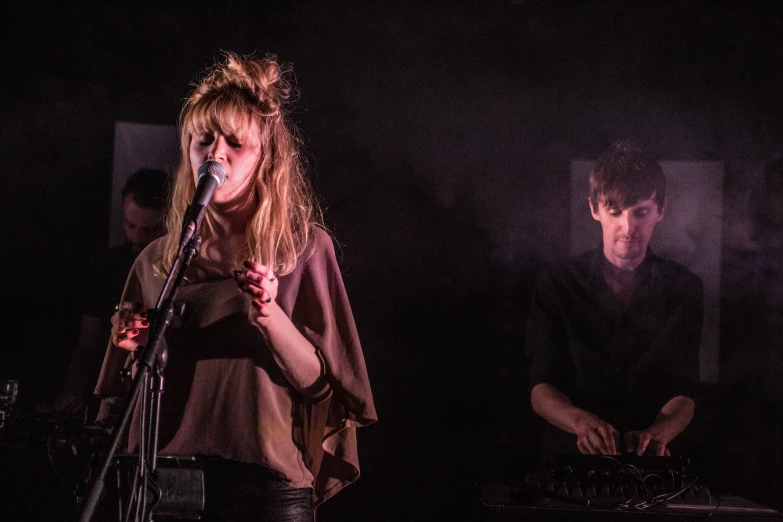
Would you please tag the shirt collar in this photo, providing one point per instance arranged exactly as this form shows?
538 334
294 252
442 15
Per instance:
646 269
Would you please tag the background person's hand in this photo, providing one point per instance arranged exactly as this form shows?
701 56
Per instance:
642 442
69 404
595 436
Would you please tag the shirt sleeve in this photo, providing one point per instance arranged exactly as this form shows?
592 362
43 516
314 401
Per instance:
680 339
546 343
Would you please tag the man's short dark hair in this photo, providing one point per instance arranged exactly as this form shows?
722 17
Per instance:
624 175
148 187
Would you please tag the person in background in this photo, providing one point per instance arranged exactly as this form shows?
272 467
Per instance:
265 379
143 201
613 334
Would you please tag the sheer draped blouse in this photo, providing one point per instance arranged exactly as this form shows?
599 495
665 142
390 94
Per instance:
225 396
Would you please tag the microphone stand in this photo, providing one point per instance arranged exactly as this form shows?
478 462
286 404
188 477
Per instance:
150 364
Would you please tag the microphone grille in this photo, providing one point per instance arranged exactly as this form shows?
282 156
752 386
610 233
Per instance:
214 169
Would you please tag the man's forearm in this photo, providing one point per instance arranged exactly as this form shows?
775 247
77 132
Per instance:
557 409
673 418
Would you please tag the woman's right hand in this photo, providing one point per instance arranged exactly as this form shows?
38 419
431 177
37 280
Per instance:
129 326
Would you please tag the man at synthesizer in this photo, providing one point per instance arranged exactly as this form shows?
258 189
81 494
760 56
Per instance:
613 334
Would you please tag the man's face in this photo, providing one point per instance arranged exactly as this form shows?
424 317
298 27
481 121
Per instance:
141 225
627 231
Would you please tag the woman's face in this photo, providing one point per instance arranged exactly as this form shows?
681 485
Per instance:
238 158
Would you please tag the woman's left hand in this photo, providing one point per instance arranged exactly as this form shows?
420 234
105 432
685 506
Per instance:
260 282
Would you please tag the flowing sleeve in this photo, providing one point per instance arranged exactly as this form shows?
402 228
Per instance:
329 422
112 388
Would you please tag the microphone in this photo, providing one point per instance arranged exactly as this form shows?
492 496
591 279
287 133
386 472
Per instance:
210 176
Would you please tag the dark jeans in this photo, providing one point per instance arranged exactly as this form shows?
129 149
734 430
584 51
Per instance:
239 492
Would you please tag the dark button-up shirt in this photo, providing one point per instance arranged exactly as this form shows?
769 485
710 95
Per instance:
621 359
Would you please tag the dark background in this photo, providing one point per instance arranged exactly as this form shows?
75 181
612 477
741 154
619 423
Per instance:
440 138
